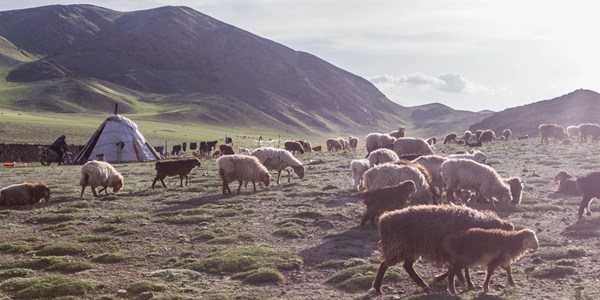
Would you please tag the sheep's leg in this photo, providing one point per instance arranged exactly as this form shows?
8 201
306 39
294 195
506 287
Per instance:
163 182
154 182
509 276
278 175
289 174
470 285
451 286
94 191
408 266
374 219
226 188
103 189
181 181
450 193
82 189
488 276
585 205
368 215
240 186
254 185
379 277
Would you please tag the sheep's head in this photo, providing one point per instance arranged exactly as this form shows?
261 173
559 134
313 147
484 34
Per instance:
516 188
530 240
197 163
480 157
265 178
505 195
41 190
408 188
118 183
562 175
299 170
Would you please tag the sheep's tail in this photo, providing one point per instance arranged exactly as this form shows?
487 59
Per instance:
84 179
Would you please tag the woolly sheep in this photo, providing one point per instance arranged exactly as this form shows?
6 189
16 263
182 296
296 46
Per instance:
477 156
100 173
552 131
305 145
358 167
573 131
589 185
386 199
487 247
433 164
374 141
381 156
588 129
179 168
401 132
241 168
409 145
333 145
279 160
226 149
471 175
345 144
507 133
424 228
567 184
467 136
478 134
244 151
487 136
24 193
293 147
353 142
450 138
516 188
392 174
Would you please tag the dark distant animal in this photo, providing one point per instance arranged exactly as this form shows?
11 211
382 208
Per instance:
589 185
478 133
552 131
305 145
176 150
293 147
353 142
184 146
212 145
588 129
487 136
398 134
229 140
226 149
450 138
193 146
317 148
182 168
431 141
333 145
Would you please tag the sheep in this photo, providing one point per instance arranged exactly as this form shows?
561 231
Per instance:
386 199
374 141
516 189
345 143
431 141
293 147
244 151
398 134
24 193
412 146
333 145
181 167
381 156
423 230
552 131
433 164
467 136
226 149
589 185
478 134
358 167
486 247
471 175
450 138
100 173
567 184
317 148
588 129
573 131
507 133
487 136
477 156
279 159
305 145
353 142
392 174
241 168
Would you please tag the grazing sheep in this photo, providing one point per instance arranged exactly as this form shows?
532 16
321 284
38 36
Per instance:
358 167
226 149
374 141
589 185
24 194
552 131
241 168
567 184
471 175
244 151
353 142
100 173
450 138
279 160
305 145
392 174
216 153
573 131
317 148
433 164
410 145
381 156
345 143
507 133
398 134
467 136
386 199
478 134
516 189
487 136
423 230
477 156
431 141
181 167
588 129
487 247
333 145
293 147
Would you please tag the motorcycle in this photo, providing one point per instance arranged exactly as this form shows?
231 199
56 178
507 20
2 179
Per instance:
48 156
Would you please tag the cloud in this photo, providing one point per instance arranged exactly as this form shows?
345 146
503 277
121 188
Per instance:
446 82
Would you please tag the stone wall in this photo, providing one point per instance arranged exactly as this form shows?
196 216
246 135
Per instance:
28 152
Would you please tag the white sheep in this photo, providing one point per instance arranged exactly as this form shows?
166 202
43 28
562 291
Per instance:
471 175
573 131
353 142
433 164
358 167
467 136
392 174
241 168
100 173
408 145
244 151
382 155
477 156
279 160
374 141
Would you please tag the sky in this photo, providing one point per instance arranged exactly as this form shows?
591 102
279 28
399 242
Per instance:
467 54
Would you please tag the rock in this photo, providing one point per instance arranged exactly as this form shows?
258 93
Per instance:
122 293
145 296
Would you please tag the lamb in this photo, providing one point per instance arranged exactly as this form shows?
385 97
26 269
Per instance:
398 134
412 146
24 194
181 167
471 175
374 141
507 133
358 167
450 138
487 247
424 228
552 131
226 149
241 168
386 199
477 156
487 136
567 184
381 156
100 173
392 174
353 142
433 164
589 185
516 189
279 159
333 145
573 131
293 147
588 129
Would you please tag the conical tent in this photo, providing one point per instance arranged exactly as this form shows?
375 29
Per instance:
118 140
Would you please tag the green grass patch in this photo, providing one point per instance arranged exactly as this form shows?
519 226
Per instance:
109 258
242 259
70 267
290 232
59 226
566 262
60 249
35 264
545 208
16 272
50 218
260 276
554 254
584 228
123 218
553 272
186 219
105 228
47 287
126 231
204 235
139 287
227 213
15 247
360 277
94 238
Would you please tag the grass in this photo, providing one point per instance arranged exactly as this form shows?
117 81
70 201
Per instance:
50 218
553 272
15 247
109 258
59 249
47 287
260 276
16 272
70 267
359 277
35 264
139 287
553 254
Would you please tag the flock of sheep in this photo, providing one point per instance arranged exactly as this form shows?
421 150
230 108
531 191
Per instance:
405 182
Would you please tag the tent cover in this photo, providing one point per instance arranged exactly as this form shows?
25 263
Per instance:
119 140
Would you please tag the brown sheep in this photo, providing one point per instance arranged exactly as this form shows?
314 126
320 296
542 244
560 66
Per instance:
486 247
182 168
424 228
516 188
589 185
431 141
317 148
386 199
333 145
450 138
226 149
507 133
567 184
24 194
305 145
487 136
588 129
552 131
293 147
398 134
353 142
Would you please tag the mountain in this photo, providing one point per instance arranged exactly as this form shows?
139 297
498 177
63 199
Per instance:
176 57
438 119
580 106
